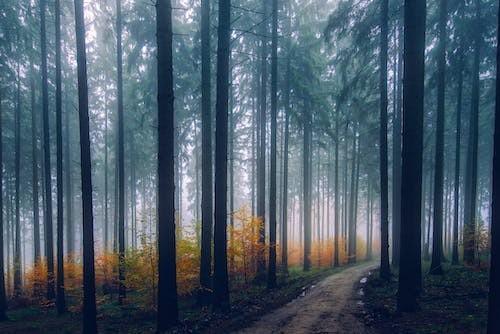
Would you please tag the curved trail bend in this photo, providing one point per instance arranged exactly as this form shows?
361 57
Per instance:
328 307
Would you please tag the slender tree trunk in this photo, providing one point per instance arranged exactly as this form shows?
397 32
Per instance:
89 303
34 167
60 297
68 182
385 268
411 185
307 187
17 173
106 183
221 284
284 223
167 281
368 220
47 217
121 158
206 157
261 183
396 153
337 193
351 252
470 199
271 277
494 294
458 140
3 297
437 235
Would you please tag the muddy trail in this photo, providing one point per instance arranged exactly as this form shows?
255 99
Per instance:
328 307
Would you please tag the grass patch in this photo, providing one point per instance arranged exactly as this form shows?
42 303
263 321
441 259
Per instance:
453 303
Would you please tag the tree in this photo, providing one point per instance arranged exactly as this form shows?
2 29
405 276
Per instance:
307 185
411 185
34 166
337 199
456 185
206 155
60 296
17 173
284 216
3 297
385 269
167 281
121 158
470 191
271 279
89 305
221 284
396 150
47 217
494 294
437 235
261 168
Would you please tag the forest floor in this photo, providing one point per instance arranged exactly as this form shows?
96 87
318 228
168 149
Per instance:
453 303
332 287
328 307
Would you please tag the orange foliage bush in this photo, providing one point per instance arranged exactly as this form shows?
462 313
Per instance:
141 264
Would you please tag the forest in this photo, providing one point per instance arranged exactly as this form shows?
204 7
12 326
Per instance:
249 166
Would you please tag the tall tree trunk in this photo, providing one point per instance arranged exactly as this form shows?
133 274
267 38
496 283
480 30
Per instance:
396 152
34 167
411 185
106 183
494 294
261 183
437 233
271 277
47 217
89 305
385 269
70 224
458 139
3 297
60 297
307 186
121 157
470 199
337 193
167 282
221 284
368 220
206 157
284 223
17 173
351 249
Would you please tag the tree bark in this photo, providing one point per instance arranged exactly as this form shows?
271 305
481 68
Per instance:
261 170
47 217
60 295
89 303
121 158
411 185
206 157
385 269
271 277
470 196
167 282
307 186
221 284
494 294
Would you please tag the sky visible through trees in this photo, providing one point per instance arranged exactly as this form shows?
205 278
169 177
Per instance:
164 153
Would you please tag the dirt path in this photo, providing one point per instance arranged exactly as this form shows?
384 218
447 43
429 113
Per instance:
328 307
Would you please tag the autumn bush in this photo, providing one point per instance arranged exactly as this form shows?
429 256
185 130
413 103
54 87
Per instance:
141 264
